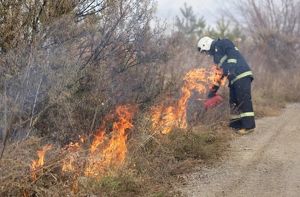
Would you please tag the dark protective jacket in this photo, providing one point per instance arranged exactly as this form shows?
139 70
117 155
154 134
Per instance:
230 60
236 69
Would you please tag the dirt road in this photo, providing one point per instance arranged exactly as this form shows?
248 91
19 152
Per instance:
264 163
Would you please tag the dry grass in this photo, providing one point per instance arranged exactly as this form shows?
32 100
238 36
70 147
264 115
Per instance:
80 90
151 167
154 161
160 158
273 90
16 177
265 106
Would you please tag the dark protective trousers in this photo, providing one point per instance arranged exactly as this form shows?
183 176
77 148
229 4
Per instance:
241 104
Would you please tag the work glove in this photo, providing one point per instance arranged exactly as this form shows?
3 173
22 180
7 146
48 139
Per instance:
213 91
211 94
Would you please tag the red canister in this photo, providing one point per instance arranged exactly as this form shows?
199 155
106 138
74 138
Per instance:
213 102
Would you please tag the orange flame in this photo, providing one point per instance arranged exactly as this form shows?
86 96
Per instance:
114 153
167 118
216 75
106 151
98 140
39 163
103 153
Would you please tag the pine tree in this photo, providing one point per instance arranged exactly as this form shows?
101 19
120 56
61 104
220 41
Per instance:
188 23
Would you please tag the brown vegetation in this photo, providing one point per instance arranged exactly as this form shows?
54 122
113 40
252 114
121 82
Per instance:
67 65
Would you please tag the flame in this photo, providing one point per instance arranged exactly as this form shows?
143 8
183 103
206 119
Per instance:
175 116
98 140
109 151
108 148
216 76
104 152
114 153
167 118
39 163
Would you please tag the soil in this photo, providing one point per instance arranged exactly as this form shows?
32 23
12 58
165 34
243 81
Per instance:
263 163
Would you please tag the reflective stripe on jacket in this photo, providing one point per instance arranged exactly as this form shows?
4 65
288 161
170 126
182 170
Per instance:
228 57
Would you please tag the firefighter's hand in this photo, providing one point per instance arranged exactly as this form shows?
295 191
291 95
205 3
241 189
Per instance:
211 94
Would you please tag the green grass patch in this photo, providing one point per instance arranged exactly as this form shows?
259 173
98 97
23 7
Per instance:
111 185
205 146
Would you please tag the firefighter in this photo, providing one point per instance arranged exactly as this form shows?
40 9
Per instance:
235 68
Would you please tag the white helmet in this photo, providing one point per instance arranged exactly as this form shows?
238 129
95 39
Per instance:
204 43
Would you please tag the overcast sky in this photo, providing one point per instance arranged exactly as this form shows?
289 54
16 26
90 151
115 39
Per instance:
210 9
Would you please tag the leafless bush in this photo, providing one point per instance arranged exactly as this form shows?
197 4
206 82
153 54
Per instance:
80 64
77 65
274 30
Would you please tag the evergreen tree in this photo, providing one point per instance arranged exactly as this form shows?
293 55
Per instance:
188 23
224 29
195 27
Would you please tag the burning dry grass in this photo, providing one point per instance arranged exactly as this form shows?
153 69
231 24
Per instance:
148 170
167 118
63 168
17 177
107 163
50 180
